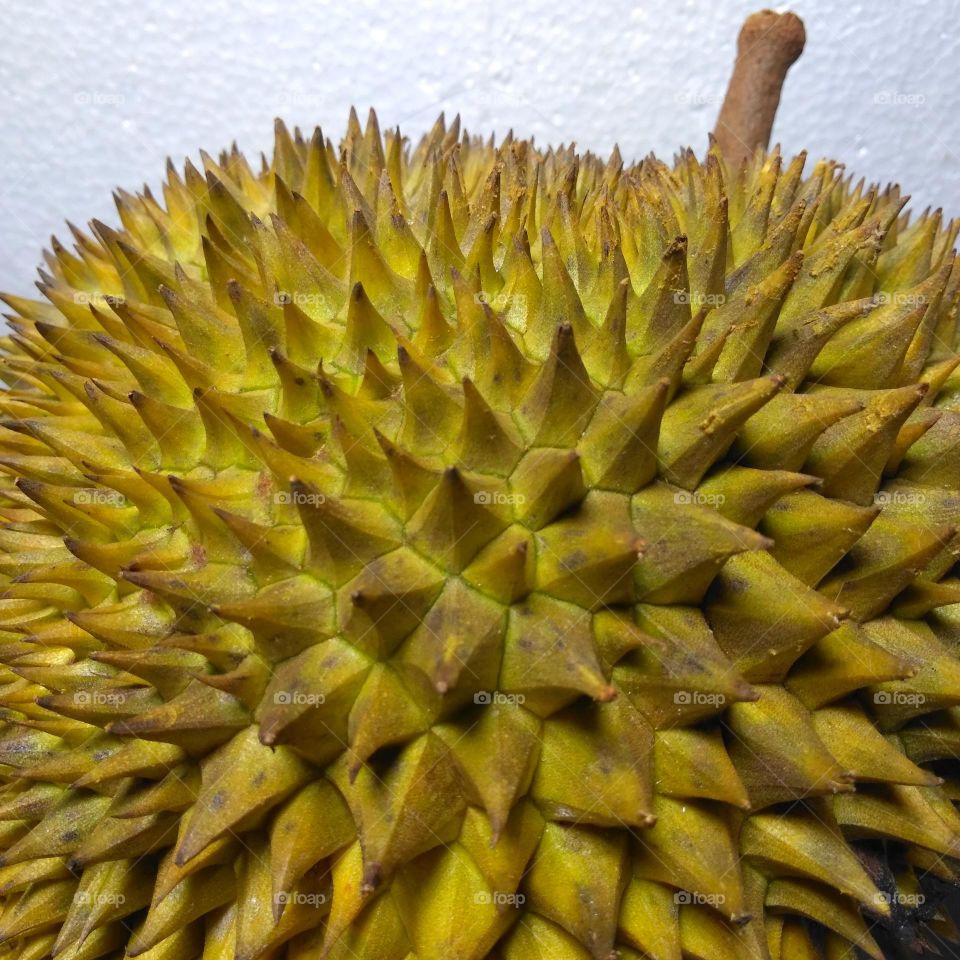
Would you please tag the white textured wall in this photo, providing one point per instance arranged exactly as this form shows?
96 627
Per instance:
96 93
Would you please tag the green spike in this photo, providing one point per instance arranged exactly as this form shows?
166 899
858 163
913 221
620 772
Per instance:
841 663
931 686
744 495
678 567
702 865
560 303
344 534
619 446
695 764
777 752
851 737
576 880
194 898
589 558
459 644
781 435
545 483
596 766
811 533
763 618
431 411
850 455
488 441
668 362
560 401
549 682
648 919
819 280
393 706
365 330
420 799
382 605
309 698
208 334
700 426
683 677
198 719
497 756
311 825
809 845
654 316
112 839
504 569
869 352
747 323
792 352
241 780
881 563
62 829
457 519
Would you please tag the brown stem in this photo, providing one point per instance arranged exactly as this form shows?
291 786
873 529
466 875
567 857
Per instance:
768 44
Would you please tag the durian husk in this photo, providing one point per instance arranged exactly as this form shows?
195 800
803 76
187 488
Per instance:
461 549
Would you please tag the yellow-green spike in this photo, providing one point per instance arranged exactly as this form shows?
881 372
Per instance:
441 549
764 619
595 766
701 425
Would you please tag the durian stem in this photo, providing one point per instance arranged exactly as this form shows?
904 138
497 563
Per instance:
768 44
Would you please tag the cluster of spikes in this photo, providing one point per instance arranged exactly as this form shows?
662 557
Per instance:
463 551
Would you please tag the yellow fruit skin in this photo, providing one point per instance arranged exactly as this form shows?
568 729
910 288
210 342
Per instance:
452 550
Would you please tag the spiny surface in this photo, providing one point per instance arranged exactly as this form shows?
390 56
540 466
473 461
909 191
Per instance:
463 551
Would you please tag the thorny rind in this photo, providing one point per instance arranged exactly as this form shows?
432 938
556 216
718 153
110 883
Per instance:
466 550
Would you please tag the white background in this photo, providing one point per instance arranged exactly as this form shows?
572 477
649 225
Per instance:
96 93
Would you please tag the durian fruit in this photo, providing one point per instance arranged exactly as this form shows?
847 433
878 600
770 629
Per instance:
466 550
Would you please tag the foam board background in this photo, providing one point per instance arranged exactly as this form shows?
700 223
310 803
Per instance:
97 94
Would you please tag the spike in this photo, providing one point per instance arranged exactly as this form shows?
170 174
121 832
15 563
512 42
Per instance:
560 401
488 442
457 519
678 567
777 752
596 766
619 446
700 427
